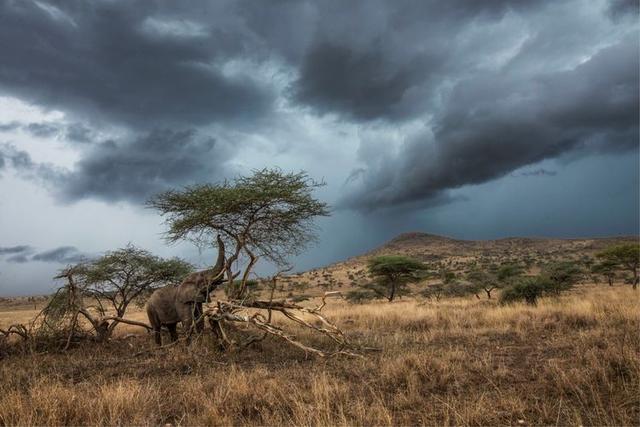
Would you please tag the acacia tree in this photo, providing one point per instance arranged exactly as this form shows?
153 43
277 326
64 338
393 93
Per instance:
553 280
607 268
505 273
482 280
392 273
267 214
120 277
625 256
109 283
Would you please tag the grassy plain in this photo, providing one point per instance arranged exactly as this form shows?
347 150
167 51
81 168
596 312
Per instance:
574 360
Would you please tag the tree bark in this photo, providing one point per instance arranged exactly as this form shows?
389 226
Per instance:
393 292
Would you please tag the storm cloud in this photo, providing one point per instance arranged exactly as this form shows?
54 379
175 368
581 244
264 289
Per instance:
492 86
496 122
135 63
60 255
135 169
12 250
24 253
128 169
17 254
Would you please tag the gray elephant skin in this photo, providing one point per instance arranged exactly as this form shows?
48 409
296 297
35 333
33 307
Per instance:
183 303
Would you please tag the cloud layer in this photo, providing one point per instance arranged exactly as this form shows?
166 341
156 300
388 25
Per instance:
60 255
150 89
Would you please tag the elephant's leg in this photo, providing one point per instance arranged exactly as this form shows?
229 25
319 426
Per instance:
198 317
172 331
157 336
187 326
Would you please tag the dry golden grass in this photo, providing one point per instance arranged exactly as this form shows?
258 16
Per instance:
570 361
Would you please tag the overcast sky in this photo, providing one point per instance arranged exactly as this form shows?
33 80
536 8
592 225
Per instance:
472 119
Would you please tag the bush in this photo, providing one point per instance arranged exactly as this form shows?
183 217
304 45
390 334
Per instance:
562 276
439 290
528 289
361 296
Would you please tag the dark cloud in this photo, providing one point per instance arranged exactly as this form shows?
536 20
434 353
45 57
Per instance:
73 132
19 259
362 85
494 85
390 67
135 169
6 127
77 132
539 172
129 169
495 123
137 63
10 250
42 130
61 255
18 254
44 173
618 8
23 253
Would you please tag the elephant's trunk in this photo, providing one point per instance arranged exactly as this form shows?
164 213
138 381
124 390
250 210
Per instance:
217 269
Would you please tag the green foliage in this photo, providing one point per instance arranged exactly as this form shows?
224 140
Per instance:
441 289
360 296
606 268
527 289
447 276
392 273
562 275
269 212
123 275
506 272
555 279
481 280
626 257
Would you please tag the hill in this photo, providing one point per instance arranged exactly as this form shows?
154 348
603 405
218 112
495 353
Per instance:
459 256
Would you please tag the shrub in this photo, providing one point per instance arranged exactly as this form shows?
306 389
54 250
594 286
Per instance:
361 296
527 289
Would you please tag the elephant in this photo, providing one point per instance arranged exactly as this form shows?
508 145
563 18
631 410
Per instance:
183 303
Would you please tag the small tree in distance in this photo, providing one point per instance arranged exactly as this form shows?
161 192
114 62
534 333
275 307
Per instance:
606 268
392 273
625 256
554 280
481 280
267 214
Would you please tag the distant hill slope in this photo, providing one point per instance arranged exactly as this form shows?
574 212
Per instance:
460 255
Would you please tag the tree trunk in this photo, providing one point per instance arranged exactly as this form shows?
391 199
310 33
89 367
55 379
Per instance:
393 292
488 291
610 280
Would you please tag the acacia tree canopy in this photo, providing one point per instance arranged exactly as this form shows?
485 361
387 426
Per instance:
267 214
121 276
626 257
393 273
